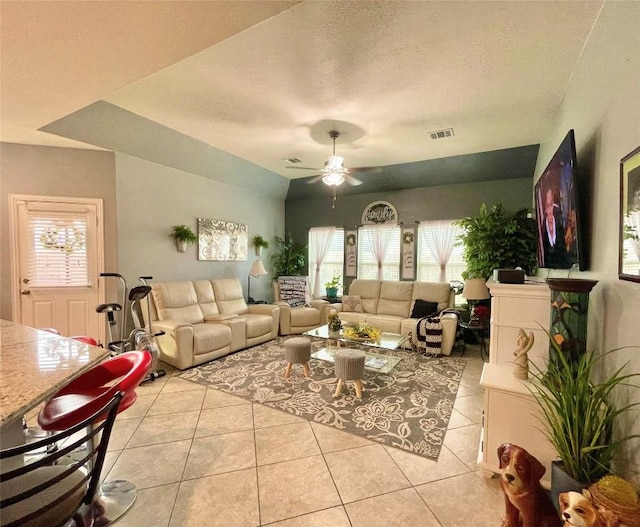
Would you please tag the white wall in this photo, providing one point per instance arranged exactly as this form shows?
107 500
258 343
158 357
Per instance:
152 198
602 105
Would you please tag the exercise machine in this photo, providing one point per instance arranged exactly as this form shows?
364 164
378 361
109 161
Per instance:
139 337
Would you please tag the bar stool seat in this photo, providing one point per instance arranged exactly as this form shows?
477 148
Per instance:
85 395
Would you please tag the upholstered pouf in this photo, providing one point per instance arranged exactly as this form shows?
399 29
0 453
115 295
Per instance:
297 350
349 367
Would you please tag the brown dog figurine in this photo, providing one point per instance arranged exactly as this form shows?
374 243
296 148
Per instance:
526 502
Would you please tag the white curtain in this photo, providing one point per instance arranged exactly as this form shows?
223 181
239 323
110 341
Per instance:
440 239
320 239
377 239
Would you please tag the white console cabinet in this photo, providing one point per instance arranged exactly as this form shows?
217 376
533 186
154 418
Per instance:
510 413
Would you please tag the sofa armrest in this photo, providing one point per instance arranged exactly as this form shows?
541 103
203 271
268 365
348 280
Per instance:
176 345
319 304
265 309
449 323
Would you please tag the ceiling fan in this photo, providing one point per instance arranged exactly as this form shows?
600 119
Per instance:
334 173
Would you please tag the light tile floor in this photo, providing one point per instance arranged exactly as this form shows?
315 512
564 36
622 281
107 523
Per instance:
201 457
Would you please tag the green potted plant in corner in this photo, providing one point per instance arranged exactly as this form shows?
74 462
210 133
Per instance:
259 243
578 414
183 235
332 287
288 258
495 239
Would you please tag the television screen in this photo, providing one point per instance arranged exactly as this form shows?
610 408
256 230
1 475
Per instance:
557 213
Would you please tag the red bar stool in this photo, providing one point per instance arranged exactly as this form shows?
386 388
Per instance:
84 395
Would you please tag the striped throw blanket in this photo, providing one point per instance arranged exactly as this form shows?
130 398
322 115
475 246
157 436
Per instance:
426 336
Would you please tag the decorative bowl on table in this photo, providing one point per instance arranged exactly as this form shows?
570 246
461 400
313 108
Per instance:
361 332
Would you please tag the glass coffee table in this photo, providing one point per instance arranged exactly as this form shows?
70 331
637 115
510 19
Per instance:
379 362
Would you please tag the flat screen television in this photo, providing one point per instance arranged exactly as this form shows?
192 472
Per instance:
557 211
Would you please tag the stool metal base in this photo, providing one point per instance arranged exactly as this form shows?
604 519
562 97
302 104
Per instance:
113 500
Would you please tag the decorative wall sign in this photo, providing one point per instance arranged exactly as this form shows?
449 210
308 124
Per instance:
222 240
379 212
351 254
408 262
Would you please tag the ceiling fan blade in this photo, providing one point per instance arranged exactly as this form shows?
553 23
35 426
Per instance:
315 179
352 180
365 169
302 168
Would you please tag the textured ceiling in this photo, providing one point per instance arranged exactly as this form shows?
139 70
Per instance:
266 81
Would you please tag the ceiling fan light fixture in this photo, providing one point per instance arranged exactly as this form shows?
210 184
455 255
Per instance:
333 179
335 162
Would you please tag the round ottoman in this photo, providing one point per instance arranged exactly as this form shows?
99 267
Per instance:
349 367
297 350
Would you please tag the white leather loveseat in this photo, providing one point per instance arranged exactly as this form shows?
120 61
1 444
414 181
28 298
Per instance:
206 319
387 305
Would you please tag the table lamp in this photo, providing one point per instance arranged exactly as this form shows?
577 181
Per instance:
257 269
475 289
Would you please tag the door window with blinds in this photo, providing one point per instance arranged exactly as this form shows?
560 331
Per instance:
54 243
379 248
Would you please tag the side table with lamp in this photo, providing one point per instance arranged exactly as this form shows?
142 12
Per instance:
475 289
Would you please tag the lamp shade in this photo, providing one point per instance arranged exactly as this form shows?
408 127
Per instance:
475 289
257 269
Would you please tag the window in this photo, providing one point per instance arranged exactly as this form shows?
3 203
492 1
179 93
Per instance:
379 244
332 264
57 249
437 252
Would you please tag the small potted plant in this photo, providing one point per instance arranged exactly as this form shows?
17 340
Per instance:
332 287
334 323
259 243
183 235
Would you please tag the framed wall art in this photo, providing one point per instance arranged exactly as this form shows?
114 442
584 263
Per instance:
629 259
222 240
351 254
408 260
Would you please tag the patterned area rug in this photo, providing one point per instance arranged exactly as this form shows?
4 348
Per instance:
408 408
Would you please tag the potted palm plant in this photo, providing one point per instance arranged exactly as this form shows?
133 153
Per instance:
183 235
578 415
288 258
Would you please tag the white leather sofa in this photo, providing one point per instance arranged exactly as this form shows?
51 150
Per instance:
387 305
296 320
206 319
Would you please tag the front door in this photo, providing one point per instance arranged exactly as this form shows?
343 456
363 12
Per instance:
58 252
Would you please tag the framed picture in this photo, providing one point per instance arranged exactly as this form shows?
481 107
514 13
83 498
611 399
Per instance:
222 240
408 260
629 256
351 254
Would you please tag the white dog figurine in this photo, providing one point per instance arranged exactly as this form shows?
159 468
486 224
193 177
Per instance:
577 510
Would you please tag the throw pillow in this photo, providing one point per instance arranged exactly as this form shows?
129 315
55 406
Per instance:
352 303
424 308
293 290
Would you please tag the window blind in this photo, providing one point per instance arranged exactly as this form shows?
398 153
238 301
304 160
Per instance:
367 263
56 249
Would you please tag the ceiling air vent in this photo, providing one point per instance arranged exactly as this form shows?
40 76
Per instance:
292 160
442 134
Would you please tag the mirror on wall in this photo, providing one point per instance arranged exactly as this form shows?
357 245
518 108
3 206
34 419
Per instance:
629 266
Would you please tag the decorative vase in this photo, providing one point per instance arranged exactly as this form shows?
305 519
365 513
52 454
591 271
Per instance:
258 250
569 309
181 245
332 292
334 333
562 482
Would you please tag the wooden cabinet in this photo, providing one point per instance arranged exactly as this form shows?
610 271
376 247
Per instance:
510 413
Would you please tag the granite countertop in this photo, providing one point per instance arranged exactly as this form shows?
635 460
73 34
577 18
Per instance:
34 364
